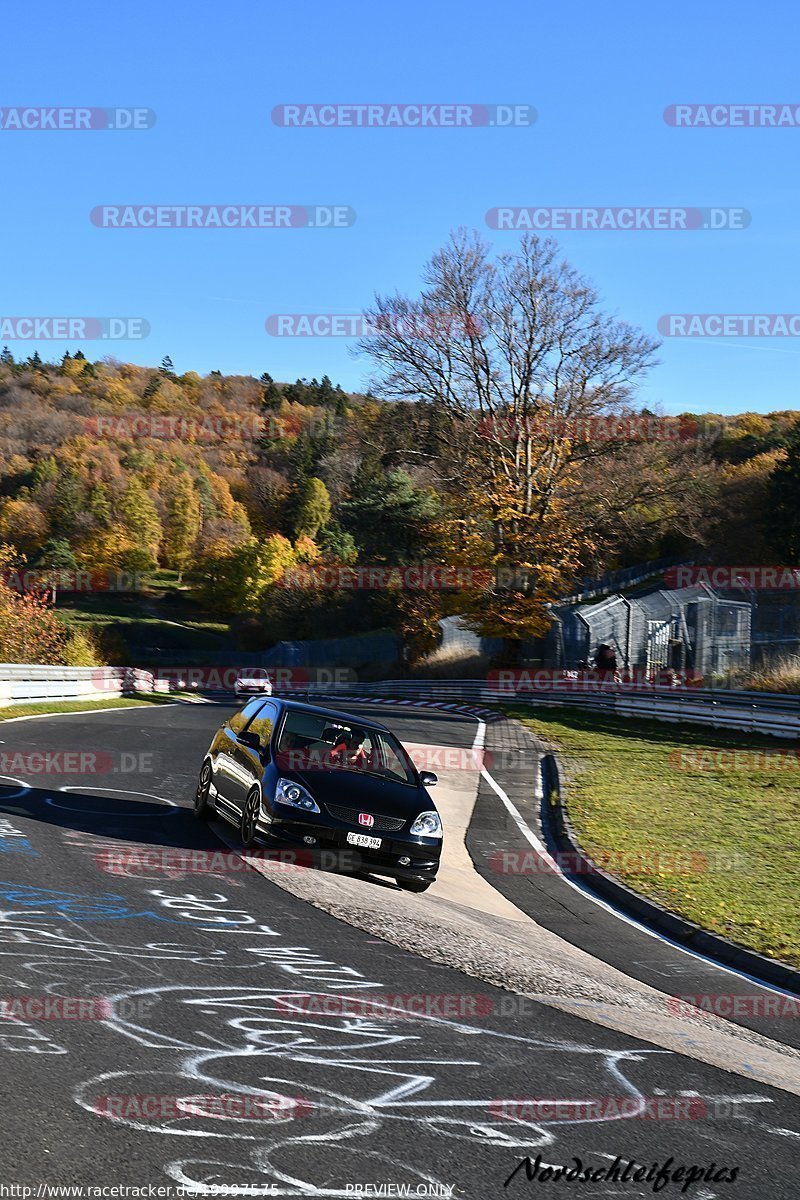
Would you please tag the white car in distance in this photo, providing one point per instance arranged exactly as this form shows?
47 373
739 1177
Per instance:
253 681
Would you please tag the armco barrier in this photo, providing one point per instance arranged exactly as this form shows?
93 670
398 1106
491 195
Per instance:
23 683
722 708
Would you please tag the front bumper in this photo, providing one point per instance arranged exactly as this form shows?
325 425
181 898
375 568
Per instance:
331 847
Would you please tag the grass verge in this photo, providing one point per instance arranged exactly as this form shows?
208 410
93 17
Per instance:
46 707
643 792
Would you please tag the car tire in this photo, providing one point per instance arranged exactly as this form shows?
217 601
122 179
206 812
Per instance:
249 818
414 885
202 808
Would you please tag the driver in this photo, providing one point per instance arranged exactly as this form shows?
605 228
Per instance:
349 750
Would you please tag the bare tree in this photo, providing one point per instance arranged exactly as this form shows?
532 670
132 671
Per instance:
516 347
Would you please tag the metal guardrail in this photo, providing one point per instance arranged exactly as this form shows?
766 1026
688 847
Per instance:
24 683
722 708
752 712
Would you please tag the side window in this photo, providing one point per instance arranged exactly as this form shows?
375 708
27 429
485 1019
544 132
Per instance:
264 723
240 718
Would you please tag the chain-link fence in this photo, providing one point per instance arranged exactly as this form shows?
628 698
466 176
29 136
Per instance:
688 629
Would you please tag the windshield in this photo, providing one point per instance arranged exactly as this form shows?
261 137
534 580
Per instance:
312 742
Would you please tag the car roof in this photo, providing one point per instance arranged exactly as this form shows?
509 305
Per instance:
334 713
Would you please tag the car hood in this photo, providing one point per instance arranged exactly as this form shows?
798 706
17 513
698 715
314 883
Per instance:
367 793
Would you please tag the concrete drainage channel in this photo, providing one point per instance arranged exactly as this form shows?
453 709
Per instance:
577 864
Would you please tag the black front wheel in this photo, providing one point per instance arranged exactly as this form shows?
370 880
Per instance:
414 885
249 821
202 809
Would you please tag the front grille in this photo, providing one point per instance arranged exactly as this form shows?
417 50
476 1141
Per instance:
350 815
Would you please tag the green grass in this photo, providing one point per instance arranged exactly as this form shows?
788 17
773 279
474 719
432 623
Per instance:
628 792
152 624
45 707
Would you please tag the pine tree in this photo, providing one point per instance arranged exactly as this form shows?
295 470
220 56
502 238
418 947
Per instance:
7 357
167 367
68 503
388 516
56 554
325 392
99 504
271 398
340 402
45 471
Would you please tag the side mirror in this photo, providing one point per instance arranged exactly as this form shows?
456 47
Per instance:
251 740
428 779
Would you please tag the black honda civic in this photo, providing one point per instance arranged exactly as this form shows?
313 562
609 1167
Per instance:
312 779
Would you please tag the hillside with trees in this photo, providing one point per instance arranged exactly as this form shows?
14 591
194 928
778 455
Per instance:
483 448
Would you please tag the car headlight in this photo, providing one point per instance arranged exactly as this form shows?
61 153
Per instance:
289 792
427 824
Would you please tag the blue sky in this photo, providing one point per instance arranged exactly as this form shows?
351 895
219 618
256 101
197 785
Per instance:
599 79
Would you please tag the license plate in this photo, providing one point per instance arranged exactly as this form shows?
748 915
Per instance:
361 839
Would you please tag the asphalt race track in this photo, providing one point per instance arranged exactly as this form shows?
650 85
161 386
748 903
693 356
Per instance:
205 1058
